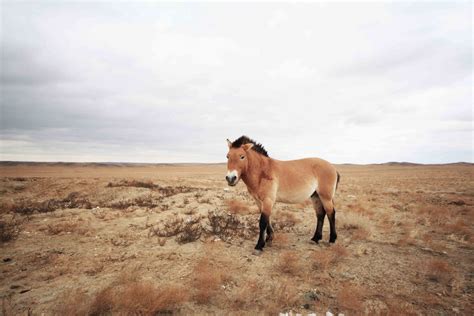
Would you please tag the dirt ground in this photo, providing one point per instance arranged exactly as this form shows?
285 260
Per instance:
162 239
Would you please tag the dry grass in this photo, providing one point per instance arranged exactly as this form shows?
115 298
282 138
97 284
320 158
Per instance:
426 207
351 298
207 281
285 221
237 207
438 270
134 183
359 225
289 263
10 227
327 258
185 229
284 298
134 298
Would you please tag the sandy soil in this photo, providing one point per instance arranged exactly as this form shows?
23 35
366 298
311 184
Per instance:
151 239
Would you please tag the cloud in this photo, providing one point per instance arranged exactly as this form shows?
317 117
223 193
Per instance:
170 82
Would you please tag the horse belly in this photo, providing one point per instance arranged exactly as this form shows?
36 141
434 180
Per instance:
296 193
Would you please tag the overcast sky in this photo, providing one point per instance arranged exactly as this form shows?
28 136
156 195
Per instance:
147 82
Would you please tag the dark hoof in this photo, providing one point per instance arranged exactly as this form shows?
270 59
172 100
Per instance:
316 239
332 239
260 247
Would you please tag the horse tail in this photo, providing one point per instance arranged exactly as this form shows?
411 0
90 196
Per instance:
338 178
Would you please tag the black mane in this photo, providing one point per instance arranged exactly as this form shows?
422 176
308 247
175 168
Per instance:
245 140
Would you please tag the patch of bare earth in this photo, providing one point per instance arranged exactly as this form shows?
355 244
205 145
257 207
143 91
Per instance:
147 240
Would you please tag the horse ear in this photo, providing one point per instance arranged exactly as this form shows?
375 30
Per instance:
229 143
247 146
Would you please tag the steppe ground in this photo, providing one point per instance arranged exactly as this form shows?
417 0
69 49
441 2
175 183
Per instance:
161 239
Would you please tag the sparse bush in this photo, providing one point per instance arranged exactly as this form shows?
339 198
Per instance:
351 297
285 221
132 298
185 230
134 183
284 298
358 224
438 270
227 226
9 228
324 259
288 262
237 207
191 230
207 281
73 200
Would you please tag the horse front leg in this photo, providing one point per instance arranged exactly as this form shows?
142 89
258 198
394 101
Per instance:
264 224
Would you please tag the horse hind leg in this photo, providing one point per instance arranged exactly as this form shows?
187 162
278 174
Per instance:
331 212
269 238
320 214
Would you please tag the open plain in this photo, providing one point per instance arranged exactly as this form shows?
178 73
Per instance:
97 239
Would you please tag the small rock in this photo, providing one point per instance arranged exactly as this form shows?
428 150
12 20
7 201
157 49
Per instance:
328 313
24 291
7 259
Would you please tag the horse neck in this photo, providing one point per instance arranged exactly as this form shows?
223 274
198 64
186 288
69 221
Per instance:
257 164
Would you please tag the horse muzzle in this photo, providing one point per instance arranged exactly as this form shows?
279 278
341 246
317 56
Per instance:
232 178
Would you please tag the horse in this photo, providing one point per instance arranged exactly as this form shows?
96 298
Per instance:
270 180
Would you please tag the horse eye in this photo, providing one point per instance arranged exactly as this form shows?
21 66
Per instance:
242 157
227 156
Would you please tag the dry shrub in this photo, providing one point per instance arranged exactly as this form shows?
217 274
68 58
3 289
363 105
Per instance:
73 200
61 227
185 230
9 228
237 207
359 209
284 298
281 240
435 214
192 230
289 263
227 226
351 297
146 299
461 229
358 224
245 296
142 201
285 221
138 298
74 303
207 281
324 259
134 183
409 236
438 270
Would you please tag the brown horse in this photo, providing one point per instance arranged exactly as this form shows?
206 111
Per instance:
269 180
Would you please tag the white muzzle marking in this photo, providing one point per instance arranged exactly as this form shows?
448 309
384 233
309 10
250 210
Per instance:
232 177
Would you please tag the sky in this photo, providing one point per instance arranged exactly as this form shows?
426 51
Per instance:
367 82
